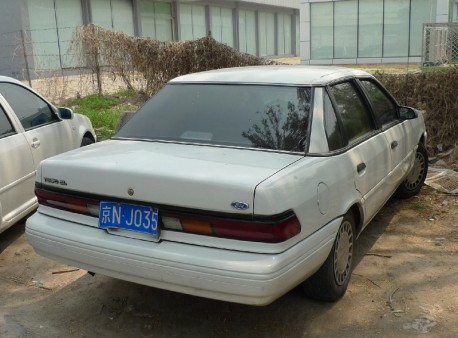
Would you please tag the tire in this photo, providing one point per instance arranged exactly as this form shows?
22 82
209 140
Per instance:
411 186
86 141
330 282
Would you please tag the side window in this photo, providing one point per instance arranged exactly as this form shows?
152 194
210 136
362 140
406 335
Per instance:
31 110
333 132
5 125
355 117
384 108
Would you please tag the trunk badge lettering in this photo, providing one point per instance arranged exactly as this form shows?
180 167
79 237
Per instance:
54 181
240 205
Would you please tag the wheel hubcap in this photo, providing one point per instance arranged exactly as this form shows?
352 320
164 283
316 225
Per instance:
343 253
414 179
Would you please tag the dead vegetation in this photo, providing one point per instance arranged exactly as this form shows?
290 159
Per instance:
154 62
434 92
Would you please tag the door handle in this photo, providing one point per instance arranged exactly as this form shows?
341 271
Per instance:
360 167
35 143
394 145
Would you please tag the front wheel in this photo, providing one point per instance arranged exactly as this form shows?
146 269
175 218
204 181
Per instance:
412 184
330 282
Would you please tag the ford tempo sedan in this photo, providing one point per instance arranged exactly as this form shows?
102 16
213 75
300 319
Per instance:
31 129
236 184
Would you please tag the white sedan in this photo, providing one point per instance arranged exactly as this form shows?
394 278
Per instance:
235 184
31 129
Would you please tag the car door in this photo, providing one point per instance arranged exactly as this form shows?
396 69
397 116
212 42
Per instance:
17 173
366 146
46 133
394 130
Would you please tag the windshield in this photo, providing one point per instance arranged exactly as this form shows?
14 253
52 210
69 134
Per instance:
258 116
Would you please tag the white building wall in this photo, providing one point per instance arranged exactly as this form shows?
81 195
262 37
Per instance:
442 15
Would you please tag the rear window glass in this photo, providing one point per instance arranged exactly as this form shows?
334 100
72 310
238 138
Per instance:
268 117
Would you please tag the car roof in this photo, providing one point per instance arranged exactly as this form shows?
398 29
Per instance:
10 80
282 75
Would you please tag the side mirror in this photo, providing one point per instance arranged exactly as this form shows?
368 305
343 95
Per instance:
407 113
65 113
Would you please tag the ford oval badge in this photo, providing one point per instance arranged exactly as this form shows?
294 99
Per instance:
240 205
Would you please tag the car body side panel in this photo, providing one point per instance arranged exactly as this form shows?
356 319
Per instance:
314 190
16 179
371 164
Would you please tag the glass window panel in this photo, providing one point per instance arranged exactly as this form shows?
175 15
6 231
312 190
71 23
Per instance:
123 17
247 32
266 33
345 29
69 15
355 116
322 36
222 25
216 23
333 132
227 24
156 20
185 22
164 21
101 13
281 34
199 28
396 28
251 31
43 31
147 18
370 28
113 14
287 34
284 34
422 12
193 22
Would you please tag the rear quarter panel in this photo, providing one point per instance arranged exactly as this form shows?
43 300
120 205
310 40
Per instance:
318 190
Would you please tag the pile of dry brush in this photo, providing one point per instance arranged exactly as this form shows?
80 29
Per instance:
156 62
436 93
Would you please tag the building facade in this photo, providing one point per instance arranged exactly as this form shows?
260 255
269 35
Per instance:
36 34
368 31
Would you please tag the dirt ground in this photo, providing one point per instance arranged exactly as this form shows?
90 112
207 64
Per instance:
405 284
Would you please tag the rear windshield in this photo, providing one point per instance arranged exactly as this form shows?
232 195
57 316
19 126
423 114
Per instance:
257 116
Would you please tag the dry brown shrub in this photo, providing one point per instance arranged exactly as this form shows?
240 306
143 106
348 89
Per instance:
435 92
154 61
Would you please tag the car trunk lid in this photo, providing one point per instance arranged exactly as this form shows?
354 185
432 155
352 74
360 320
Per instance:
182 175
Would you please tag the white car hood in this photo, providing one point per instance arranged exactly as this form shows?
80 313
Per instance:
188 176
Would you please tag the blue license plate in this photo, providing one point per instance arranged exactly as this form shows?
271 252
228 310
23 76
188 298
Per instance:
129 217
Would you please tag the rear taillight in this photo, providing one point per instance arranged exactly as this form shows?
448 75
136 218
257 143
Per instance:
268 230
66 202
259 231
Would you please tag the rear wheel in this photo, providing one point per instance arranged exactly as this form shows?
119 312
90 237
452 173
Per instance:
412 184
330 282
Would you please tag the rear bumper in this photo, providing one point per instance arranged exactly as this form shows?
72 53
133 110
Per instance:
248 278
